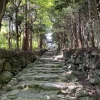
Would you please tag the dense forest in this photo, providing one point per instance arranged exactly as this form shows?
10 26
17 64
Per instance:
74 23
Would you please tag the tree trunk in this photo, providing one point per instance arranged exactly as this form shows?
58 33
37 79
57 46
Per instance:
75 42
85 35
79 30
30 27
71 35
9 43
25 37
40 44
30 40
17 37
64 39
91 27
2 9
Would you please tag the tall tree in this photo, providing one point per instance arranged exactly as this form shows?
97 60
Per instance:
25 38
3 4
91 27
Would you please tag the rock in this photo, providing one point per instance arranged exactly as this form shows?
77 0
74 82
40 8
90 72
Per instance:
6 76
22 86
97 64
92 80
79 60
46 76
73 59
94 53
81 93
57 65
35 84
12 97
22 60
7 66
59 57
54 85
13 82
71 89
97 79
3 59
71 77
27 62
8 88
92 64
85 98
98 89
81 75
94 77
1 65
71 67
97 71
91 73
81 67
16 66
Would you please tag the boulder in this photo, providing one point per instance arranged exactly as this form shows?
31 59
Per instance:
8 88
92 63
5 76
82 67
81 93
92 80
94 53
3 59
22 60
78 60
97 65
98 89
7 66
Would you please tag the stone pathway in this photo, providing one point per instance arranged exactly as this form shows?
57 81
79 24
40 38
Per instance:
45 79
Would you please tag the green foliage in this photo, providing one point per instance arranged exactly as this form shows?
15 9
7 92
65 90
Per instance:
38 8
39 28
60 4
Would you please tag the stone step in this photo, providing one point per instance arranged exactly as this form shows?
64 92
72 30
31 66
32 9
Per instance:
45 79
44 68
48 71
47 65
46 76
54 85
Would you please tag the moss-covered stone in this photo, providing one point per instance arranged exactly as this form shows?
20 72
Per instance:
5 76
7 66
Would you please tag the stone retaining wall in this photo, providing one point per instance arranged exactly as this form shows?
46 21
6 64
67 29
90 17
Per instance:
12 61
85 61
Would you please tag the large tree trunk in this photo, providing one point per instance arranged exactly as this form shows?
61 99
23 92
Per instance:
26 35
75 42
85 34
71 35
2 9
17 37
79 30
91 27
30 27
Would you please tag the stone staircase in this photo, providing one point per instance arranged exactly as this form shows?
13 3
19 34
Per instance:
45 79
